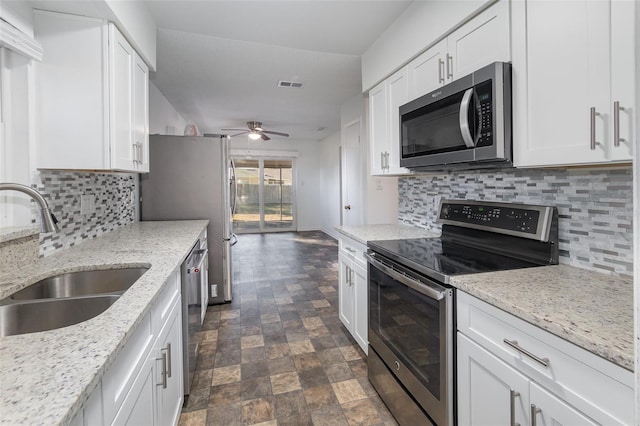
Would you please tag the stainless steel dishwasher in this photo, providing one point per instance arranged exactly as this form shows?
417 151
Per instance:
194 303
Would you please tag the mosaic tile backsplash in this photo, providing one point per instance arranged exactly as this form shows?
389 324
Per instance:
114 205
595 207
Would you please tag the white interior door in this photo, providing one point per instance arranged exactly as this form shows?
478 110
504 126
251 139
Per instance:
352 191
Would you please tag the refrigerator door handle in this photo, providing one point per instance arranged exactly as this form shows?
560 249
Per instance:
235 188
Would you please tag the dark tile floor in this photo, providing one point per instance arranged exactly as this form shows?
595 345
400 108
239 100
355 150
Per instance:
278 354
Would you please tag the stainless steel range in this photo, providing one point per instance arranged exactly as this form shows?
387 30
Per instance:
412 306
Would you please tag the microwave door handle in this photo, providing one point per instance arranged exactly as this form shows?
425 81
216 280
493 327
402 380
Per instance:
464 119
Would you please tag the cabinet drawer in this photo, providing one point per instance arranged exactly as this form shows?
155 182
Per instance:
599 388
118 379
353 250
162 306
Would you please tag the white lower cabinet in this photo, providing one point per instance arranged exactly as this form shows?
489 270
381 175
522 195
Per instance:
168 367
536 379
352 287
489 391
144 384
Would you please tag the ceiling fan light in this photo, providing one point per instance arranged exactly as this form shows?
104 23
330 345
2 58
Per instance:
254 136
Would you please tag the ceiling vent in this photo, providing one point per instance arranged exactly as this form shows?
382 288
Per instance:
295 84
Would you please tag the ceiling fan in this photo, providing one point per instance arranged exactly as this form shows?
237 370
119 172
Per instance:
256 131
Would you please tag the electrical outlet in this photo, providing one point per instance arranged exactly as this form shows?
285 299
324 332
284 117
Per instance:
87 204
214 290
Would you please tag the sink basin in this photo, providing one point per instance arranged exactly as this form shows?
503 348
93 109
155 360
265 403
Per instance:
81 283
42 315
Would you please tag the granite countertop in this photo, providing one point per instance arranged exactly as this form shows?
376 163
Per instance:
14 232
365 233
46 377
589 309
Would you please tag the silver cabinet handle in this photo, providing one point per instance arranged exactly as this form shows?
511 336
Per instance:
512 413
514 345
169 359
534 414
164 369
134 153
140 156
449 66
351 276
616 124
348 272
350 250
440 71
382 160
464 119
593 113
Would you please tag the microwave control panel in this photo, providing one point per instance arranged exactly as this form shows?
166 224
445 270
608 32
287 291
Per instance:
507 218
484 113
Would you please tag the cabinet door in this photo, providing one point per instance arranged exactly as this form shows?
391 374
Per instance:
487 386
550 410
141 113
564 74
378 127
361 302
623 78
427 71
345 291
137 408
169 377
122 61
481 41
398 94
71 92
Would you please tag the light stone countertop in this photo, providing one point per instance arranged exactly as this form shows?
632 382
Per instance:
365 233
46 377
589 309
14 232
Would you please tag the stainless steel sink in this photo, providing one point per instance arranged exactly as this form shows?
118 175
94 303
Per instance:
42 315
81 283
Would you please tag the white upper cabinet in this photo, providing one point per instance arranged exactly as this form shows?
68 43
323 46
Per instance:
478 42
427 71
91 96
384 124
567 79
378 127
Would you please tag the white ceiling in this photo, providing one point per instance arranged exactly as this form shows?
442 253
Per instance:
219 62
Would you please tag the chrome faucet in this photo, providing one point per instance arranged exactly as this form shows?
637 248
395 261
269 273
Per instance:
48 222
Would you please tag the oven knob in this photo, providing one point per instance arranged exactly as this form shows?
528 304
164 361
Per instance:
397 366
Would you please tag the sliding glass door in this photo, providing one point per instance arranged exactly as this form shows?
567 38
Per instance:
266 195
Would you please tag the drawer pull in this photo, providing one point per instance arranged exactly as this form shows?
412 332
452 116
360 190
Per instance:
514 345
512 412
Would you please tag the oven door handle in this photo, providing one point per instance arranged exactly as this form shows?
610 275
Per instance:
419 286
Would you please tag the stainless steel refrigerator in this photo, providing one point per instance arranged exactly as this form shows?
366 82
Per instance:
191 177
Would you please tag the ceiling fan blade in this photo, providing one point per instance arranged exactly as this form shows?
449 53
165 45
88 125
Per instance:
276 133
236 130
265 137
241 133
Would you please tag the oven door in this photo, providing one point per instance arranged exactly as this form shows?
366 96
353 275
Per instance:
411 329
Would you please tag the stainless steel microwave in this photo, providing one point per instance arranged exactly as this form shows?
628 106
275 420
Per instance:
463 125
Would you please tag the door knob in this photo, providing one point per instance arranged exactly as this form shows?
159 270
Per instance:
347 207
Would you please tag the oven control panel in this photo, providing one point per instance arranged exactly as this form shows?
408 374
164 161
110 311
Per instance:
510 218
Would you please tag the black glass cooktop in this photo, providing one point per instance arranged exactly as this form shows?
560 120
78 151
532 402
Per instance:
440 258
